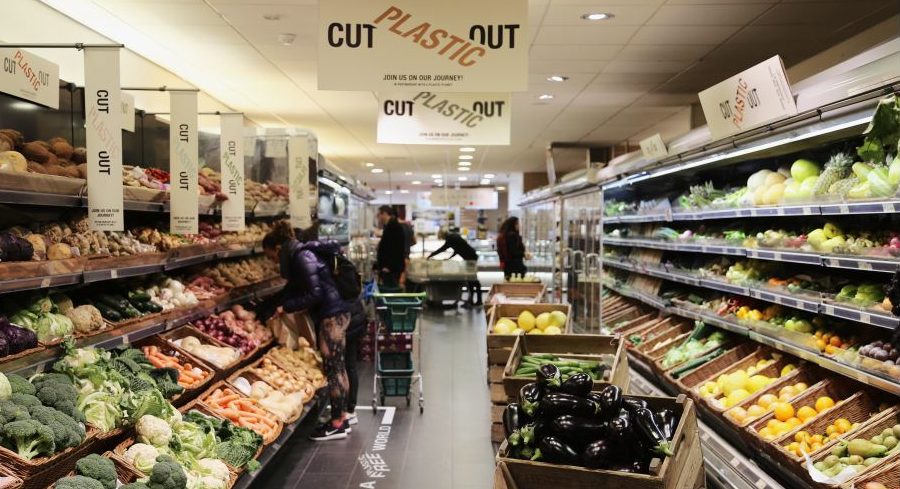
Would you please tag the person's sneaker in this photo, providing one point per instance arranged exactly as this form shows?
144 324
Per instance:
352 419
346 426
327 432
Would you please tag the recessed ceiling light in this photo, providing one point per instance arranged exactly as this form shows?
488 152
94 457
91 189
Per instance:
417 182
272 16
488 175
557 78
404 191
377 170
436 176
409 173
463 168
545 96
597 16
485 181
466 157
388 192
370 165
465 163
462 179
501 188
287 38
467 149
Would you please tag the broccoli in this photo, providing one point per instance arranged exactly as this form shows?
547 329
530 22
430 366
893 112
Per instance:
98 468
135 485
52 378
20 384
25 400
66 431
78 482
29 438
167 474
10 411
58 394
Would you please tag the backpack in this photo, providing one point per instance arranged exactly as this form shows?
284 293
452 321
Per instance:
346 277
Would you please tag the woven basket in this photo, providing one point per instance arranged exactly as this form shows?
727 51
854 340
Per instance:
322 383
651 349
203 400
252 377
870 429
22 354
888 475
10 481
171 350
245 357
660 369
726 362
28 469
207 412
771 371
647 329
187 330
639 323
118 454
809 376
125 472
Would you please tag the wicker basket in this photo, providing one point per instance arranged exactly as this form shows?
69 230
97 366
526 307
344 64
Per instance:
252 377
870 429
22 354
200 408
662 370
222 385
125 472
171 350
809 376
118 454
28 469
10 481
771 371
715 367
640 323
888 475
245 357
654 348
186 331
287 368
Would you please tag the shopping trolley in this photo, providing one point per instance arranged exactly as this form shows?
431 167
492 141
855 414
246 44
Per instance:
398 369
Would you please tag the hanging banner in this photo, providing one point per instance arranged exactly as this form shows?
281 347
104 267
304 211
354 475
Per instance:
184 155
103 138
298 181
127 112
471 198
30 77
458 46
444 118
232 163
750 99
654 147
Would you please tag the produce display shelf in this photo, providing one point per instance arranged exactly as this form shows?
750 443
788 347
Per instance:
31 283
872 380
37 198
796 302
830 209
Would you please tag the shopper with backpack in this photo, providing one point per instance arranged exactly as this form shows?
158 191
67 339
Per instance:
315 275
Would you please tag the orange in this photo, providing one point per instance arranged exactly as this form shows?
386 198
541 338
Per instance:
815 446
793 423
826 337
842 425
784 411
765 401
817 439
824 403
805 413
831 350
836 341
800 387
832 430
801 436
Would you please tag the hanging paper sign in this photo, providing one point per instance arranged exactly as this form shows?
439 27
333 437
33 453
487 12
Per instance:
103 137
30 77
298 181
444 118
127 112
184 155
468 198
654 148
750 99
458 46
232 163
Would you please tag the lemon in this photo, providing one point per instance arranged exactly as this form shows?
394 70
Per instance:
518 331
502 328
542 321
787 369
535 331
527 320
757 382
552 330
756 411
736 396
558 319
735 381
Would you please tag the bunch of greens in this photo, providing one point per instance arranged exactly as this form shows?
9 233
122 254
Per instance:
883 133
235 445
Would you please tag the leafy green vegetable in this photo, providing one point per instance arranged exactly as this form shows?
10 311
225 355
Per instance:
883 133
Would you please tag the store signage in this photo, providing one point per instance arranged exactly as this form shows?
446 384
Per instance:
750 99
471 198
458 46
444 118
232 164
127 112
29 77
654 148
184 156
299 155
103 137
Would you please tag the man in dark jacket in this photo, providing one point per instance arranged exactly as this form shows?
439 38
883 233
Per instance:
390 260
462 248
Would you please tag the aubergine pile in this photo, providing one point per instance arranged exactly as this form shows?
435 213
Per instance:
563 422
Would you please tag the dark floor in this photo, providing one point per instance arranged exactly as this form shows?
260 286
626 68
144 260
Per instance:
447 447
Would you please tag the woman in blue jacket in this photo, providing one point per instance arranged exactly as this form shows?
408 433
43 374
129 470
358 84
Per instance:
311 288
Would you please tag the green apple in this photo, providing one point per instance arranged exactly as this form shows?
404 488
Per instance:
832 230
830 244
803 169
816 238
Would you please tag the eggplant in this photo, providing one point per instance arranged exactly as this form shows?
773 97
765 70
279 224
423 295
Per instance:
578 431
579 384
522 437
621 431
555 451
513 418
529 397
558 404
667 420
632 404
647 426
549 376
594 396
611 400
598 455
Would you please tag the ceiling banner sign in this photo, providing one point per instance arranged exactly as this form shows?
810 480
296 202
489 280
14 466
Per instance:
750 99
472 198
127 112
184 156
389 45
444 118
103 137
654 148
298 181
232 163
29 77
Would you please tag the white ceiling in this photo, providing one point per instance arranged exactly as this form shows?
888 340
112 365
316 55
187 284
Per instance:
626 74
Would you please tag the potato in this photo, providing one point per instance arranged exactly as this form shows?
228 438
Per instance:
61 148
13 161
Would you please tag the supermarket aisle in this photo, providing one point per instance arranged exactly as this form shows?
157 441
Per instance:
448 447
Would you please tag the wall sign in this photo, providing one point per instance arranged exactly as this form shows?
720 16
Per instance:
444 118
30 77
473 198
184 156
458 46
127 112
750 99
654 148
103 136
232 164
299 155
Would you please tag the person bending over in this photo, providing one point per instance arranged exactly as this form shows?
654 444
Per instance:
462 248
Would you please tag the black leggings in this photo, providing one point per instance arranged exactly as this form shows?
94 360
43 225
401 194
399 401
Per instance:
332 342
351 354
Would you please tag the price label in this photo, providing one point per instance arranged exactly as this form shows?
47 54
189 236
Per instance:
864 265
844 209
750 99
113 274
865 317
45 282
654 148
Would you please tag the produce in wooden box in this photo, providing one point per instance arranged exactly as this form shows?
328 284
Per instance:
550 323
14 339
242 272
42 315
736 386
765 403
189 376
285 406
205 288
282 380
243 411
232 335
171 293
219 356
788 418
243 320
806 443
304 363
236 445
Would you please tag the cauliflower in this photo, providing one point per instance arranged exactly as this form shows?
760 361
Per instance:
154 431
142 456
215 468
87 318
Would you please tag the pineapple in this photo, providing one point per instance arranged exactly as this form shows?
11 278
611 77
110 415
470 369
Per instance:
843 186
838 167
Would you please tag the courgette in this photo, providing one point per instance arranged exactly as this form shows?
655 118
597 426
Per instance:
130 312
692 364
107 312
154 307
139 296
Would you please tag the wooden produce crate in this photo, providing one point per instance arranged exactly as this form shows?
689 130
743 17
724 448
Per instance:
517 293
662 370
502 478
761 353
108 262
717 366
668 337
888 475
183 357
581 347
498 435
644 326
251 377
870 429
512 311
807 375
205 403
186 331
838 389
684 470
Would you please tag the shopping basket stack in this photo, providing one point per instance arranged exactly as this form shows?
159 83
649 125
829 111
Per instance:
397 366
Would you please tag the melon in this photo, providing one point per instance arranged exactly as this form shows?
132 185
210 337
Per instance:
558 319
542 321
527 320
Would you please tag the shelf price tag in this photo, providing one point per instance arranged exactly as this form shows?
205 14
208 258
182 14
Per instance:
750 99
103 137
184 156
232 162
